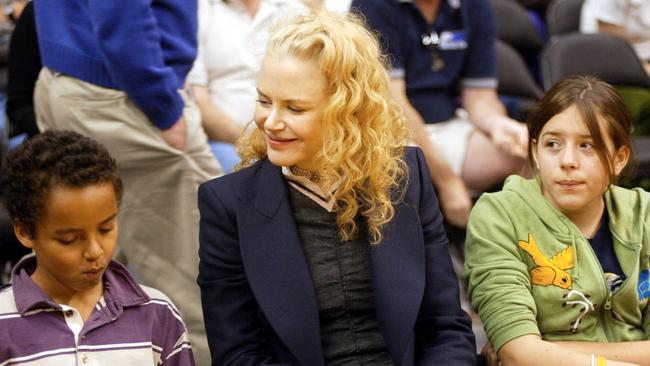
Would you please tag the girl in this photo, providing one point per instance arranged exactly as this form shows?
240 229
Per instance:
557 266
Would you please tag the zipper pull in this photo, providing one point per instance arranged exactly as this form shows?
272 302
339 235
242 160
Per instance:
608 302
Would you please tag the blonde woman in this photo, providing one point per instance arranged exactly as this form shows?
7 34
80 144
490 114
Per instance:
327 246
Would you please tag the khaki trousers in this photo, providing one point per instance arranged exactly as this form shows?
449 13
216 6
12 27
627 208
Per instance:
158 217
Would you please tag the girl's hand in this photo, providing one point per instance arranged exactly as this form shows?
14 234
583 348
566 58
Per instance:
490 356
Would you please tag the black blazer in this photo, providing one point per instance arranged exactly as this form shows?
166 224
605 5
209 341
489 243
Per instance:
258 297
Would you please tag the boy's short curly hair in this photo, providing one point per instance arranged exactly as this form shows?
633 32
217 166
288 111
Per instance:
53 158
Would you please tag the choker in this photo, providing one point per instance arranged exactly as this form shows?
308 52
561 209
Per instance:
312 176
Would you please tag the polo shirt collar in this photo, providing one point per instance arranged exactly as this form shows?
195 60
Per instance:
27 294
120 289
455 4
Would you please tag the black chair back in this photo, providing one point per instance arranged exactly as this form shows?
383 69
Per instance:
610 58
563 16
514 26
514 77
515 80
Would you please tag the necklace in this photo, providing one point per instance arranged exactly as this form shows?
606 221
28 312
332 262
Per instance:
312 176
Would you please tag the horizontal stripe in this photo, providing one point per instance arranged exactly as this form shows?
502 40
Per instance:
9 315
479 83
105 354
13 361
115 346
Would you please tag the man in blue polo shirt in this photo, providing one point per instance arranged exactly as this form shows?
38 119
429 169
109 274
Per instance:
443 70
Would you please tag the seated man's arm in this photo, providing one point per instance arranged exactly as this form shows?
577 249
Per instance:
611 17
619 31
488 114
216 123
454 197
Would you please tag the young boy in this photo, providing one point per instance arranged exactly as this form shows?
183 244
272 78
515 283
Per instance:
69 303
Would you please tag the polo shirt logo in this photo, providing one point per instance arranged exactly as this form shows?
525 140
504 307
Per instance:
452 40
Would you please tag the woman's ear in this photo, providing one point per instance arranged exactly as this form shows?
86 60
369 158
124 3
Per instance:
534 151
23 235
620 159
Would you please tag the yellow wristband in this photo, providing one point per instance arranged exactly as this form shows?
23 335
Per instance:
601 361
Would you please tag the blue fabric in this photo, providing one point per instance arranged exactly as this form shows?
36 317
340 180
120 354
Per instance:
603 246
258 296
226 154
17 140
512 106
435 93
143 47
3 120
4 126
532 57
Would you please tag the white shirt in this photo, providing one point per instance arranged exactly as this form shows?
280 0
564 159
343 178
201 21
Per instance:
632 15
339 6
231 48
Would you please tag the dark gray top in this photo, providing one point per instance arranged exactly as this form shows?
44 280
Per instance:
349 328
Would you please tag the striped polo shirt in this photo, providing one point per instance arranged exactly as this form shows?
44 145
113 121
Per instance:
131 325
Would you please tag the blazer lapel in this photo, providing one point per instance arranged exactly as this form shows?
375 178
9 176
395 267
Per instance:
398 278
277 269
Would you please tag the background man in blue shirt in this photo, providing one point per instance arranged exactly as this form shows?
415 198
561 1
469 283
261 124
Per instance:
443 69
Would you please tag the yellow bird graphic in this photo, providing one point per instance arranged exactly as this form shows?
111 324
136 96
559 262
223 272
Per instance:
549 272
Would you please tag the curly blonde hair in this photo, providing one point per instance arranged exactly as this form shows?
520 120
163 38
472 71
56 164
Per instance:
363 128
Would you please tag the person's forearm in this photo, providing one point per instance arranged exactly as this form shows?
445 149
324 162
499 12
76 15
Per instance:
484 109
546 354
633 352
618 31
217 125
438 166
530 350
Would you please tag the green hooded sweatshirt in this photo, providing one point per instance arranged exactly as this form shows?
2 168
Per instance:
531 271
